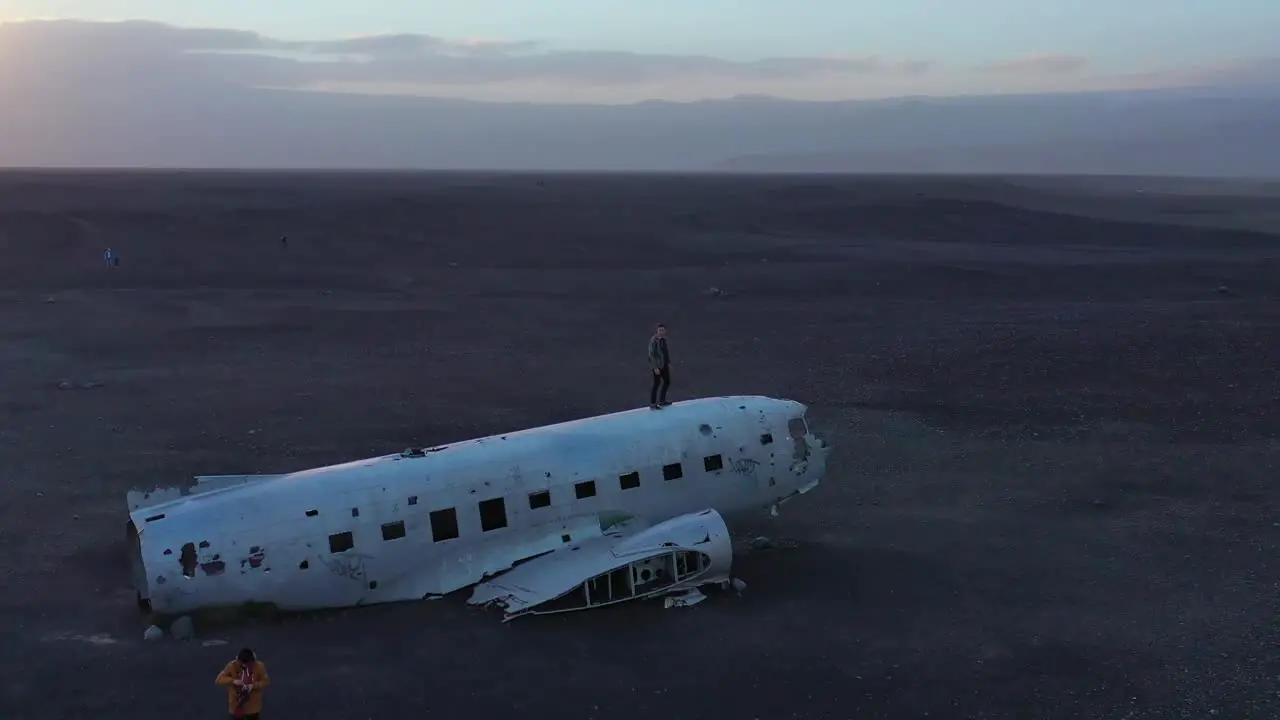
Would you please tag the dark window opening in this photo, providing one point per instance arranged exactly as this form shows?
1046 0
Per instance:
341 542
766 438
493 514
153 518
304 565
565 538
355 512
312 513
413 499
393 530
712 463
373 584
444 525
188 560
630 481
672 471
652 574
689 563
539 499
585 490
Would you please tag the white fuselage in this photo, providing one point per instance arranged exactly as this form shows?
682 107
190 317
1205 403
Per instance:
412 525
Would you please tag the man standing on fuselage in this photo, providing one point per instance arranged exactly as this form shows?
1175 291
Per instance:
660 365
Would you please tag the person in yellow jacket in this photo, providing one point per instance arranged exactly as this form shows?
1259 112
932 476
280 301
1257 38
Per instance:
244 678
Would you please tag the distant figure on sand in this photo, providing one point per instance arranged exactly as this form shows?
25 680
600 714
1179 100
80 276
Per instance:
660 365
284 241
106 257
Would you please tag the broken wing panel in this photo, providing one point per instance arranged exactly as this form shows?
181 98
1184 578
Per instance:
680 553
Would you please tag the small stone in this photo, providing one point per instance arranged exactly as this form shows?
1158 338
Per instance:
153 634
762 543
182 628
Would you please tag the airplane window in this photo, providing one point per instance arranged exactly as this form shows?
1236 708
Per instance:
393 531
341 542
539 499
312 513
413 499
712 463
630 481
444 525
672 471
493 514
585 490
355 512
766 438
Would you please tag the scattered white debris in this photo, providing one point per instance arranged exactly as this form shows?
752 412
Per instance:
50 300
153 634
692 596
182 628
714 292
213 643
68 385
98 639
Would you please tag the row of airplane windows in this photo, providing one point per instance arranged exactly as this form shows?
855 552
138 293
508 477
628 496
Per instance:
493 512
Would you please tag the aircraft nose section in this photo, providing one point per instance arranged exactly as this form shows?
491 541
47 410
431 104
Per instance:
819 448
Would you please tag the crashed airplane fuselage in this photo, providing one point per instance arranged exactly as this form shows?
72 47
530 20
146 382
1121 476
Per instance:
588 512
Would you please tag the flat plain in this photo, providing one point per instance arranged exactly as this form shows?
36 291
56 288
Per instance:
1055 406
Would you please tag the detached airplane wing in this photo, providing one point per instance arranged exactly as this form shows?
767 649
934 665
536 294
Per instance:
629 562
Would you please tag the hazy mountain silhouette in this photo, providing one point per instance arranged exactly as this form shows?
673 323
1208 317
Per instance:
1132 133
141 94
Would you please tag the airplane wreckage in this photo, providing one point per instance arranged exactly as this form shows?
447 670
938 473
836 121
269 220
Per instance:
563 517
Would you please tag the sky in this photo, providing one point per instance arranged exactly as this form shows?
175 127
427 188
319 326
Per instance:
927 46
378 83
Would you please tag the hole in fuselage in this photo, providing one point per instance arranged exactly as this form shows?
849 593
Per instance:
188 560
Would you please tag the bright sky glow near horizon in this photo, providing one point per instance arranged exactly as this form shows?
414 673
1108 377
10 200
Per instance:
624 51
282 82
1124 35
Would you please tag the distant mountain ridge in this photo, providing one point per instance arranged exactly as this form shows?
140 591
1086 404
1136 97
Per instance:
1214 131
1231 149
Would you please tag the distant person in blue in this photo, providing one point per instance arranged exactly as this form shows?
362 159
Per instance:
660 365
106 257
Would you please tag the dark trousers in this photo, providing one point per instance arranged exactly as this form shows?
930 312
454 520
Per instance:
663 378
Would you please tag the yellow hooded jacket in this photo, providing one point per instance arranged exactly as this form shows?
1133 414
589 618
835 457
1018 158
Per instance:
227 679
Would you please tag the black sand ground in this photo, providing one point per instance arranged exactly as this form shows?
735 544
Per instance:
1055 408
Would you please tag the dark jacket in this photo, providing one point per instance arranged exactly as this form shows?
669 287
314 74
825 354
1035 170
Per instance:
655 354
